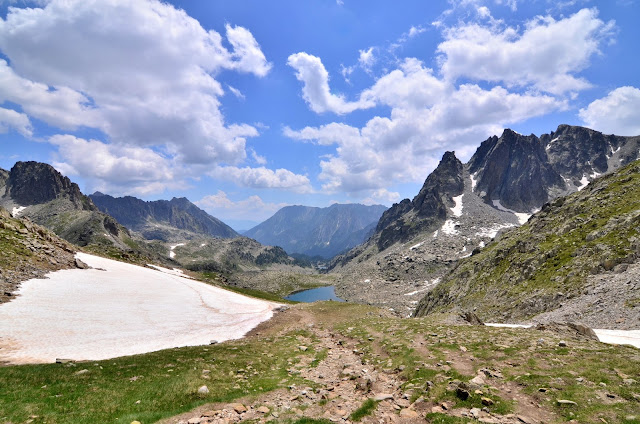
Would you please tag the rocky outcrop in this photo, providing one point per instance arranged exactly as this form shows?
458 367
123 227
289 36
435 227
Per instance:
316 231
159 220
33 183
428 210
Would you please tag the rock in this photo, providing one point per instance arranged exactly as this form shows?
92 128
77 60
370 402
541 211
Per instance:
212 342
487 401
472 318
85 371
303 348
263 410
203 390
382 396
135 422
566 402
525 419
239 408
81 265
576 330
195 420
562 343
63 361
408 413
462 393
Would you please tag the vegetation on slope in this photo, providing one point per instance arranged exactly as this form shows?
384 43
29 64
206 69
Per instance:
536 267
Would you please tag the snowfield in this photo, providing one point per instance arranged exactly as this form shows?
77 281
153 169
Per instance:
629 337
119 309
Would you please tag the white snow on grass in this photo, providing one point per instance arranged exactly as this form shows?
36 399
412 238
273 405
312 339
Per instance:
457 209
522 217
16 211
449 227
120 309
630 337
172 254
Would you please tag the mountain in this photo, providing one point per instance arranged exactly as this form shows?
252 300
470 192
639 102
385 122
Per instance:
37 191
175 219
462 207
577 259
316 231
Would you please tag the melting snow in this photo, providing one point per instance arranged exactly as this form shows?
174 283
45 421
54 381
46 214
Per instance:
435 234
172 254
175 271
492 231
522 217
415 246
457 209
449 227
473 181
583 182
16 211
120 309
427 286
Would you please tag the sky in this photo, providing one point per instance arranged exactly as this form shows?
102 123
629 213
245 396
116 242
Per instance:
247 106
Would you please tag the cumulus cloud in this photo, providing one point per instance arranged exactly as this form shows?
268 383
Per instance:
616 113
547 54
315 91
428 115
114 168
78 63
263 178
10 119
252 208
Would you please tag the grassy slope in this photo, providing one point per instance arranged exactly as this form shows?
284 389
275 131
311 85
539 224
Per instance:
588 232
165 383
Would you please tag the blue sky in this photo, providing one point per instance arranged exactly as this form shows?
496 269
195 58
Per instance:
248 106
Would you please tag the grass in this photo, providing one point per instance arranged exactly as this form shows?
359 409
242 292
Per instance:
367 408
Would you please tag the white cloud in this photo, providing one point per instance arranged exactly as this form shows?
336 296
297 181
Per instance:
546 55
315 91
142 72
383 196
252 208
112 168
367 59
428 115
484 12
260 160
236 92
512 4
10 119
616 113
415 31
263 178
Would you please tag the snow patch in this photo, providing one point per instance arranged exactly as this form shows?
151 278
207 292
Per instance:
583 182
595 174
415 246
16 211
203 244
435 234
491 232
457 209
473 181
120 309
175 271
428 285
522 217
172 254
449 227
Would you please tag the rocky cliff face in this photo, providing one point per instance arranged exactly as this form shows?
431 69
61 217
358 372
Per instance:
37 191
33 183
162 219
428 210
318 231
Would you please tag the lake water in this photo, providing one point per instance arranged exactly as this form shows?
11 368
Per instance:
314 295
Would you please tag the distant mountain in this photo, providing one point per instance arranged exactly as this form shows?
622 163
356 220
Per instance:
37 191
316 231
162 219
577 259
462 207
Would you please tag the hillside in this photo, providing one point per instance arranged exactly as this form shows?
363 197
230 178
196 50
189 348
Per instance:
315 231
461 207
577 257
168 220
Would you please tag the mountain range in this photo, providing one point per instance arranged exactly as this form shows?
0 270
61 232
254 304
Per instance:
313 231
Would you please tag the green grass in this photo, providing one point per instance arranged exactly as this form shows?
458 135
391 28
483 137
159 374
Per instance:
367 408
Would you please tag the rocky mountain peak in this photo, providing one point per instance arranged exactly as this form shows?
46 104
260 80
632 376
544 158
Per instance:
32 183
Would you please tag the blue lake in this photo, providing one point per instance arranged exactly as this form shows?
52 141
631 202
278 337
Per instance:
314 295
